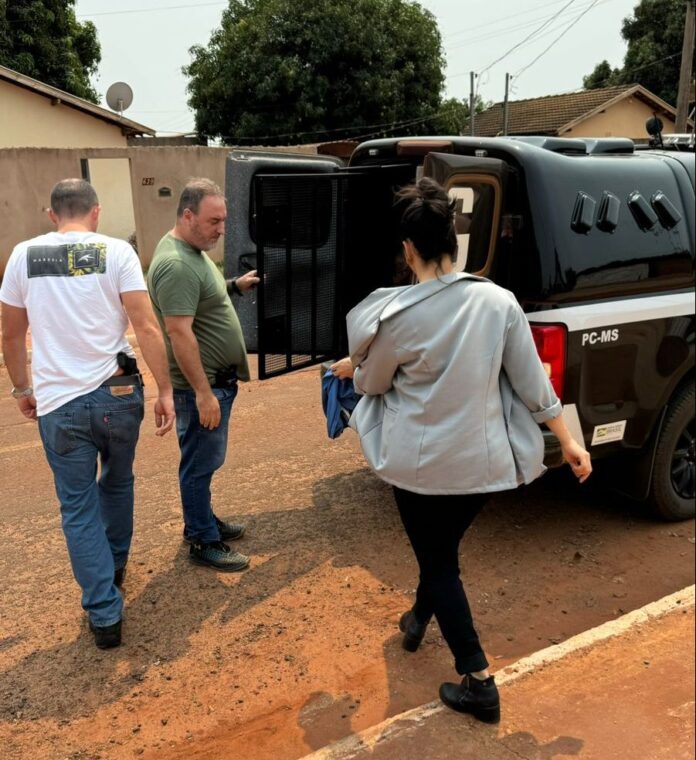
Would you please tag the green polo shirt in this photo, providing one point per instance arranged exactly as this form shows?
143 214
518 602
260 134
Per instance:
185 282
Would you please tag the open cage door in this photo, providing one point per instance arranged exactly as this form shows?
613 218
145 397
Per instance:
241 226
300 238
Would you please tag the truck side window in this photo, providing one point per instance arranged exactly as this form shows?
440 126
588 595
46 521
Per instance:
475 217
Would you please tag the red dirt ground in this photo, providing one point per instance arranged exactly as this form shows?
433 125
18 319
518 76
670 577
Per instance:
301 649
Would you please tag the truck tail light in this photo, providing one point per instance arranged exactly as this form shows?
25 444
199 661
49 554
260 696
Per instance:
551 342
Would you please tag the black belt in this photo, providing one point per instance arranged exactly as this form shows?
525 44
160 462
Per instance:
124 380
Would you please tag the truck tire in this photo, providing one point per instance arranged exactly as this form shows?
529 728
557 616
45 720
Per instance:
673 486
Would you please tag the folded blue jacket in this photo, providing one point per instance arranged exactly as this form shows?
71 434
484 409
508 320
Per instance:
338 398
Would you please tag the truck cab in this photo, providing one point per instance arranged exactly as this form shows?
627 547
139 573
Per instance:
595 239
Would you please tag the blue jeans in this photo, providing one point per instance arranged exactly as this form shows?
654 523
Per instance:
97 513
202 453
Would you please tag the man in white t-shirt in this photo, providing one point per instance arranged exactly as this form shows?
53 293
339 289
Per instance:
78 290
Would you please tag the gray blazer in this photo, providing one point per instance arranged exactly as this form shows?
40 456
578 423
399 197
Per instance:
453 387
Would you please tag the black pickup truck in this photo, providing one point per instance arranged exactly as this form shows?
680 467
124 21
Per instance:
594 238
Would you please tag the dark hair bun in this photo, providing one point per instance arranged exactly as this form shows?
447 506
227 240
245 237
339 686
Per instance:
428 219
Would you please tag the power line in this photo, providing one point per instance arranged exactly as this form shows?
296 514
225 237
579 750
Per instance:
562 34
496 21
385 127
504 31
148 10
539 37
624 71
528 37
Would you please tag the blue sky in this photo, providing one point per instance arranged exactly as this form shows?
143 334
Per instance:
146 42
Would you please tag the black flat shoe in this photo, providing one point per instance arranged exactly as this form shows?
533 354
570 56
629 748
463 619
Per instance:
477 698
413 631
106 636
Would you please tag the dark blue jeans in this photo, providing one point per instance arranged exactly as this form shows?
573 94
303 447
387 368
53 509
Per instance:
202 453
97 513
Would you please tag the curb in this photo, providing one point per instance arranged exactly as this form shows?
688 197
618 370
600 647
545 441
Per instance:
348 748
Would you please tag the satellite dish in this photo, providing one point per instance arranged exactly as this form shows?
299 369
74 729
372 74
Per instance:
119 96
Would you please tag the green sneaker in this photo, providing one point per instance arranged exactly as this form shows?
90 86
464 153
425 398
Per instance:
218 555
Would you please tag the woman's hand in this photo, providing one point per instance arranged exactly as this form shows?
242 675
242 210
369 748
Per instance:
578 459
343 368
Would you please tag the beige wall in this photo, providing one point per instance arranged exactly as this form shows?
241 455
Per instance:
624 119
27 178
30 119
28 175
153 170
111 178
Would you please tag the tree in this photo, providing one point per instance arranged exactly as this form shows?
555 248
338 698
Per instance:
279 71
654 35
602 76
44 40
453 117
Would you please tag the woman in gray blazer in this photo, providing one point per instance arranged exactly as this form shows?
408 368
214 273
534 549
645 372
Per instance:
453 394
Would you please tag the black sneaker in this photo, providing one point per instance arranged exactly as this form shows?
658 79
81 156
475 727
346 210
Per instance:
228 531
218 555
478 698
413 631
106 636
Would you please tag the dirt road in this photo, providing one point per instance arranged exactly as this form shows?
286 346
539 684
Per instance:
302 648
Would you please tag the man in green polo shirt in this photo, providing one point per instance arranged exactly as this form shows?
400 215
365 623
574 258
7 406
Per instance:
207 357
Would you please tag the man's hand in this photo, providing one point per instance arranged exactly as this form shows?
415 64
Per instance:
27 406
343 368
164 413
247 281
208 410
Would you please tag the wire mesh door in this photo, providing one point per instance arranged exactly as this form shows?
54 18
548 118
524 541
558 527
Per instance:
298 224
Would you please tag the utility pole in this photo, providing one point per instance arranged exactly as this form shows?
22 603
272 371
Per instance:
472 104
508 77
686 66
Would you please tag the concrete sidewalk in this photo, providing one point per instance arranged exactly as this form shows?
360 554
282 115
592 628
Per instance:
622 691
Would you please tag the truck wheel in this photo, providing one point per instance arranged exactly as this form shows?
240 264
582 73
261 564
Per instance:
674 473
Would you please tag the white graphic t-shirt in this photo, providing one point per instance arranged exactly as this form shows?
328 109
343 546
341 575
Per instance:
70 284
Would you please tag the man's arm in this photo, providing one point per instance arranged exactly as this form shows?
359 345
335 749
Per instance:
188 357
15 324
139 311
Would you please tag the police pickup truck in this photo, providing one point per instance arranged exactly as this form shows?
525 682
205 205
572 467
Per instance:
594 238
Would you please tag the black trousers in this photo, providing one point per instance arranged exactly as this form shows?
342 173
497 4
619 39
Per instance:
435 526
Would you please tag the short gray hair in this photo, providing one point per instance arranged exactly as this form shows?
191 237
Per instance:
73 198
193 193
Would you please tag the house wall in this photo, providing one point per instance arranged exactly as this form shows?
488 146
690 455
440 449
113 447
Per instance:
624 119
30 120
132 185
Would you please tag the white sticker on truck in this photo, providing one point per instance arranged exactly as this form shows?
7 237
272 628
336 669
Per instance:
612 431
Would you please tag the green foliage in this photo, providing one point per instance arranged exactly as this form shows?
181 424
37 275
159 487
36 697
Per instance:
279 71
654 35
44 40
602 76
453 117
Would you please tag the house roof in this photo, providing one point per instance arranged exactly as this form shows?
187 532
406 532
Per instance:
554 114
72 101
